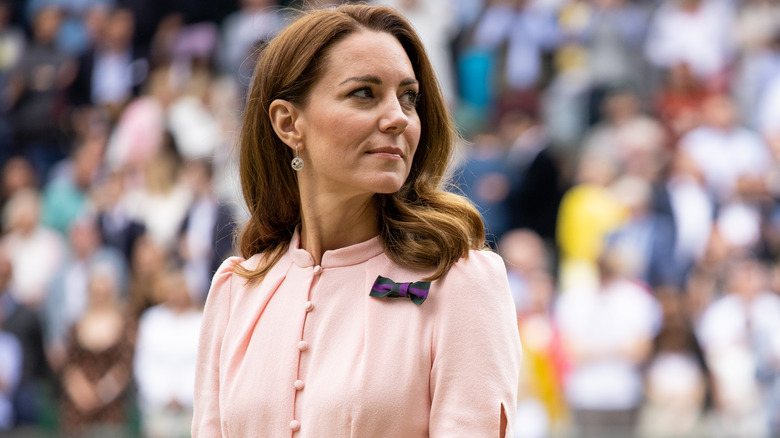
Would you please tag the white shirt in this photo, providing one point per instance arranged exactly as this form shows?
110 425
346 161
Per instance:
165 356
725 156
731 332
112 78
622 313
699 38
36 259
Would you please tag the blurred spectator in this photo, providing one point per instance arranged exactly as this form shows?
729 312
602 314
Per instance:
610 32
11 358
607 333
678 102
631 139
22 322
524 254
98 367
734 164
140 131
764 112
164 366
537 182
77 32
111 73
589 212
677 377
161 203
528 30
66 195
68 296
148 264
732 160
12 42
484 179
541 407
758 33
206 236
693 210
695 32
36 93
565 106
255 22
738 333
118 229
757 23
646 238
37 251
17 174
192 122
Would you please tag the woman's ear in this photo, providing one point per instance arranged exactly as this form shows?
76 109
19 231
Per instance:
283 115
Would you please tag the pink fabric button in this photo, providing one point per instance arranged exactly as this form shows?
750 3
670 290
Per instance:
295 425
302 345
298 385
309 306
317 270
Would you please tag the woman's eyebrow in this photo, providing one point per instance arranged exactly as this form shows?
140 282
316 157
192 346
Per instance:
364 79
370 79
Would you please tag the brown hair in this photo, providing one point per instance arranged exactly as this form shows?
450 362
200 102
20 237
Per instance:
421 225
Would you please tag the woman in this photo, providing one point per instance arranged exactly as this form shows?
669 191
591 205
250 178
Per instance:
97 373
314 333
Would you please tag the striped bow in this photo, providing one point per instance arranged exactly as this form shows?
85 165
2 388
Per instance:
385 287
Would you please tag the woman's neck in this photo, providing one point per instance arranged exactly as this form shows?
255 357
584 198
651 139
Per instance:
335 221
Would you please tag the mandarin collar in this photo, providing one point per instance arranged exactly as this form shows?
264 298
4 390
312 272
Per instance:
349 255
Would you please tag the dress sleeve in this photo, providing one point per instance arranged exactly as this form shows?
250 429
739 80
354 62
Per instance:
476 351
206 416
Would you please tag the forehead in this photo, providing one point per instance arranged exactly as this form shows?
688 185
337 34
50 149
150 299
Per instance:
367 52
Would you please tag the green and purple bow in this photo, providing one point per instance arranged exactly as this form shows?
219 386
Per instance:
385 287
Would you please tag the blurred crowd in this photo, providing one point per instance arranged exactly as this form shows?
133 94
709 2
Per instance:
623 153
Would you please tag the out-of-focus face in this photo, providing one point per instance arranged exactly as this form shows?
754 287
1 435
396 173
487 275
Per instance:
747 278
102 290
17 175
84 238
119 29
621 107
359 126
23 212
719 111
47 24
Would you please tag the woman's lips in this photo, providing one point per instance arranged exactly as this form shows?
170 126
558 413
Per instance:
388 152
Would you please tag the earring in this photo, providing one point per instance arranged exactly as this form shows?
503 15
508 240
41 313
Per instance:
297 162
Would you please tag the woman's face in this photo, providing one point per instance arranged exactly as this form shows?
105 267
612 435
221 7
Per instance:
359 127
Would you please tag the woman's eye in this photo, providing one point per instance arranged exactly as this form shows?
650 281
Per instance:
363 93
410 98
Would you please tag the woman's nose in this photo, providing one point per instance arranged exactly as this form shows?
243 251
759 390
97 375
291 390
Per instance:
394 119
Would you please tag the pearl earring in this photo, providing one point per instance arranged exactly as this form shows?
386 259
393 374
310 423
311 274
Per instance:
297 162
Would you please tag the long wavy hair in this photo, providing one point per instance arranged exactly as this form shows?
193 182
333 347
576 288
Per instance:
421 226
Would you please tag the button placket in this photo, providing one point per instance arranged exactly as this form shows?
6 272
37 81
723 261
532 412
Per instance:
302 345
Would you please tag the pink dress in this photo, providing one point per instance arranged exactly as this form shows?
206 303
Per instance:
308 353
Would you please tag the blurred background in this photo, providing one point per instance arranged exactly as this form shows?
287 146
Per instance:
623 153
